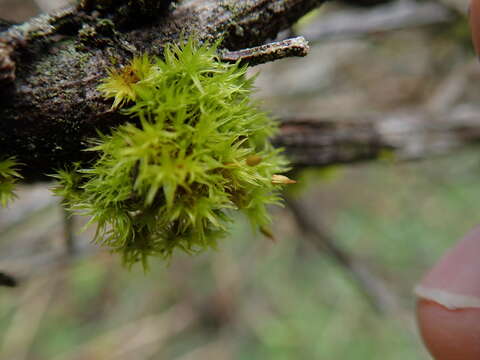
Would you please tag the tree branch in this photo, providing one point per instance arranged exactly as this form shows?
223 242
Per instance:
374 289
51 66
400 136
297 46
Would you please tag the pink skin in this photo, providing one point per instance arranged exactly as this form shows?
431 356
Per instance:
449 334
458 271
448 306
475 24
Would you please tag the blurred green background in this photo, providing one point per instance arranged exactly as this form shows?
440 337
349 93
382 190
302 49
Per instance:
254 298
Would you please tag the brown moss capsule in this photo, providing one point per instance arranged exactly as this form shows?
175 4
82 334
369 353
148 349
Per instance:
282 180
253 160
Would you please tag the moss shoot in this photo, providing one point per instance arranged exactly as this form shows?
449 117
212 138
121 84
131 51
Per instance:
8 177
196 150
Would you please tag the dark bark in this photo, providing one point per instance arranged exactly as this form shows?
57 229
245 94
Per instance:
50 68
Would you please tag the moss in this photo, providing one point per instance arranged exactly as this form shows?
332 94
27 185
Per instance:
196 151
9 175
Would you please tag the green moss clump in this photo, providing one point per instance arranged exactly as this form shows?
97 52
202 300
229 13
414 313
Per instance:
8 177
197 150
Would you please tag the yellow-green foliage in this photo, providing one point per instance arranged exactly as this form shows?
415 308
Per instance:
197 150
8 177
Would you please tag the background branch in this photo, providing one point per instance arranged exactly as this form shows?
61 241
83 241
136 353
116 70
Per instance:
409 135
372 287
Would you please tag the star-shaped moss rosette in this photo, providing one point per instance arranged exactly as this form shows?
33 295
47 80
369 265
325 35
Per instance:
198 151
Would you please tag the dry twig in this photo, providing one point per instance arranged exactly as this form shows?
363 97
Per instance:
371 286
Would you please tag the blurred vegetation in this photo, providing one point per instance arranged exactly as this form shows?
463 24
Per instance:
253 298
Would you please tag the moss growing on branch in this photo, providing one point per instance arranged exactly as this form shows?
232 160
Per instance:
196 151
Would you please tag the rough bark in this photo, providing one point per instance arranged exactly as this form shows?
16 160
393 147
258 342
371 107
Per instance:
50 68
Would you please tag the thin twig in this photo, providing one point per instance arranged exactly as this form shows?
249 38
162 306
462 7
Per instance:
68 230
297 46
371 286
